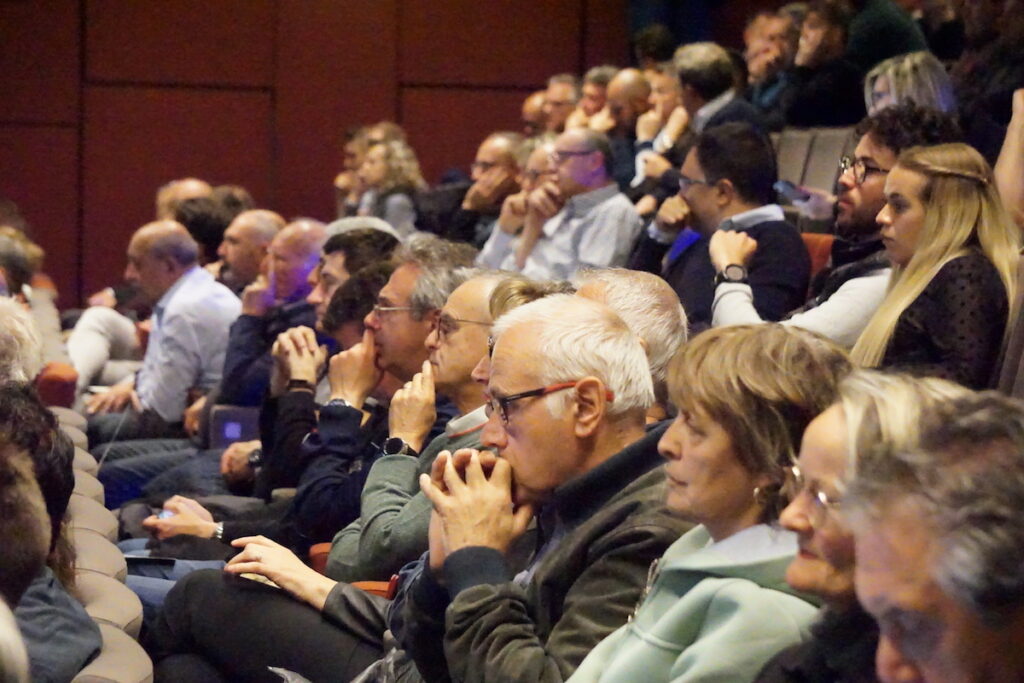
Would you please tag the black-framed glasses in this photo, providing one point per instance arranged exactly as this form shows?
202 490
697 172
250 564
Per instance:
821 502
685 183
501 403
448 325
860 168
558 156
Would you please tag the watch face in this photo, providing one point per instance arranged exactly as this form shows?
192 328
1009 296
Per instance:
394 446
735 272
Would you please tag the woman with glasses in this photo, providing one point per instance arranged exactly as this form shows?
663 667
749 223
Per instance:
717 606
954 251
391 174
878 414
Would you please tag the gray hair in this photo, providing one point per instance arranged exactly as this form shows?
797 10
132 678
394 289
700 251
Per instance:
567 79
966 484
361 223
706 67
581 338
649 306
439 262
21 347
601 75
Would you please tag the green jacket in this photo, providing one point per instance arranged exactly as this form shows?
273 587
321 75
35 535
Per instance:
715 612
394 514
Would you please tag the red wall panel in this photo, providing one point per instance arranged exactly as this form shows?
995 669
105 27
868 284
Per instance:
137 139
336 68
39 61
228 42
446 125
39 171
606 33
497 42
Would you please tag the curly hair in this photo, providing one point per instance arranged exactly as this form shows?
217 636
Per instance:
907 125
403 168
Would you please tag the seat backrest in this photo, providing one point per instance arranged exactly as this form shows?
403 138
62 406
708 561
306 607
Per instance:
229 424
827 148
791 153
819 248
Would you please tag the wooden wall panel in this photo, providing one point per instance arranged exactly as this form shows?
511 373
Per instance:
446 125
137 139
336 68
39 65
39 171
228 42
497 43
606 33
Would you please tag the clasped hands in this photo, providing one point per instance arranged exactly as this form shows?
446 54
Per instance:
471 492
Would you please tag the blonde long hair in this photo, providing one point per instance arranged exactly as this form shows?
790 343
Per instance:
917 77
962 208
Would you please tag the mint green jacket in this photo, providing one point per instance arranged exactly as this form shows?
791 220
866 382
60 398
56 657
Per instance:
715 612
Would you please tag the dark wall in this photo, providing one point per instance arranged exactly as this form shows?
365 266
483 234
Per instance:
101 101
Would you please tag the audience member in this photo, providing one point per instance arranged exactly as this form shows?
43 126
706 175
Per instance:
533 117
706 77
176 191
391 175
880 29
186 345
941 25
206 220
348 188
593 95
744 397
652 45
628 99
577 219
845 294
876 415
21 348
772 40
954 251
535 172
494 175
1009 169
244 246
939 541
916 77
234 199
560 99
726 185
826 84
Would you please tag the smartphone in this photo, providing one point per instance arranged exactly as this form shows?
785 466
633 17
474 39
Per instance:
790 192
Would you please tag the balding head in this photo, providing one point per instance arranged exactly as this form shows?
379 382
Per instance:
159 253
245 245
533 113
628 95
170 195
292 255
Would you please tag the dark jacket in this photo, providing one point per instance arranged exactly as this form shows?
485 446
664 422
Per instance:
778 273
880 30
488 627
830 95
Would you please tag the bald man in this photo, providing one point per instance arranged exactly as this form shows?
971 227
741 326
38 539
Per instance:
534 120
245 245
627 99
187 341
173 193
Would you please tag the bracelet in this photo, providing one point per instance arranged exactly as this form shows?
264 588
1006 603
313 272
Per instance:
303 384
218 532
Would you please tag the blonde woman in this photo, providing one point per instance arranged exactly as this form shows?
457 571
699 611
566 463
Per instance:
391 174
876 415
954 251
916 77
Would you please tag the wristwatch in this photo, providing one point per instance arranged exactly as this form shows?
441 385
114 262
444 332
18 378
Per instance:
304 384
256 458
732 273
339 402
398 446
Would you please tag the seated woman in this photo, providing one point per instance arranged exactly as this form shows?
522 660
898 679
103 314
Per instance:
954 251
875 411
391 175
917 77
718 607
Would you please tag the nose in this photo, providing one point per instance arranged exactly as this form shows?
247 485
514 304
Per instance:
493 434
221 250
670 446
884 217
891 666
846 179
316 295
372 320
433 340
794 517
481 373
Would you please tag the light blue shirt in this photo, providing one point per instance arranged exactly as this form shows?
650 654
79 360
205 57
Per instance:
595 229
187 343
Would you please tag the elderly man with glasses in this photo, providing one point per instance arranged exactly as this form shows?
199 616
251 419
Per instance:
844 295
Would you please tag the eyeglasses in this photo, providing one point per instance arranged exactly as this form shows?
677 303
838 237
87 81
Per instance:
482 166
447 325
686 183
821 502
500 404
381 310
559 156
859 167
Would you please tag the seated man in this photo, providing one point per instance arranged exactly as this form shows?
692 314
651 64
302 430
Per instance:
578 219
582 461
494 175
844 295
726 184
940 544
186 345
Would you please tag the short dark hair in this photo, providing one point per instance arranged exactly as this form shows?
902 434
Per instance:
907 125
233 199
838 13
354 299
23 528
206 220
362 247
654 42
15 263
740 153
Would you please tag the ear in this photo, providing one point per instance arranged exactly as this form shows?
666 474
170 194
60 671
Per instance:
725 192
590 406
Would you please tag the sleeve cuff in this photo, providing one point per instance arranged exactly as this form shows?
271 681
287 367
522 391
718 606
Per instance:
474 566
429 595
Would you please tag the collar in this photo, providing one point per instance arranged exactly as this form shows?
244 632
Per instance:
578 498
464 424
191 273
705 113
580 205
748 219
845 251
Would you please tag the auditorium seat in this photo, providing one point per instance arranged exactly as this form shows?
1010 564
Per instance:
810 156
85 462
76 435
108 601
819 248
86 513
122 660
69 417
56 384
88 486
97 554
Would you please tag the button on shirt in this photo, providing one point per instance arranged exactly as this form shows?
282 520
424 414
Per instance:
593 229
187 343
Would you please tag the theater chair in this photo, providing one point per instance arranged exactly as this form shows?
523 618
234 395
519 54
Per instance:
88 486
122 660
318 560
85 462
819 248
88 515
56 384
76 435
69 417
